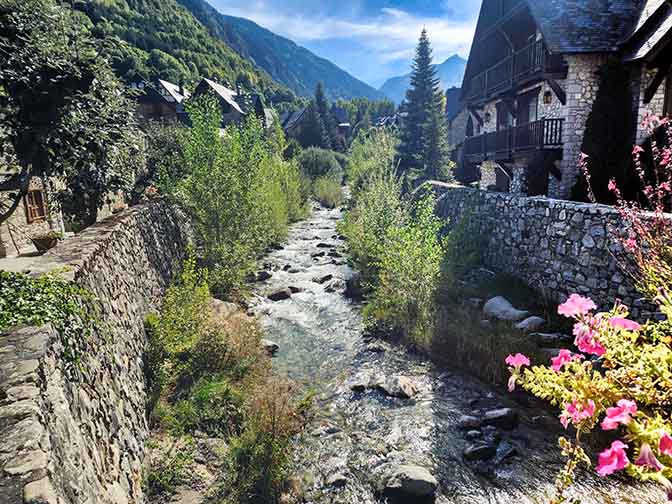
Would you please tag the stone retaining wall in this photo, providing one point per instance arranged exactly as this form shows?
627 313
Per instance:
558 247
82 441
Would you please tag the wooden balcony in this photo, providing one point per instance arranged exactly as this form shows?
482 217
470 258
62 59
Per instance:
503 144
531 62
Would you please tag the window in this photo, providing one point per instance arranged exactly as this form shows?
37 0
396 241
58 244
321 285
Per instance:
36 208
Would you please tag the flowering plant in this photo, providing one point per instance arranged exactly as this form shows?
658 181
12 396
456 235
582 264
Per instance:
620 381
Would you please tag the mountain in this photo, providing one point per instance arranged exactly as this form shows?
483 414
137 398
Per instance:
288 63
450 72
144 39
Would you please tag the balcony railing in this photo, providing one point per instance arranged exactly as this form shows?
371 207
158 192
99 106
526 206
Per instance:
504 143
522 65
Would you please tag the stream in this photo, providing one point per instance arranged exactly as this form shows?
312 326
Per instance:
358 438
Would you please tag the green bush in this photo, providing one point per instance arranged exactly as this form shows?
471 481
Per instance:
371 153
315 163
328 192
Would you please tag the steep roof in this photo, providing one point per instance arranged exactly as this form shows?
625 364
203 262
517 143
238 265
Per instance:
652 27
175 91
294 119
584 26
228 95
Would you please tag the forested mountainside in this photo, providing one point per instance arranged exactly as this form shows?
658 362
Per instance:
450 73
288 63
148 38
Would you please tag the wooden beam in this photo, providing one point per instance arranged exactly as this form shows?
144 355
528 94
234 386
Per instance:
477 116
655 83
559 92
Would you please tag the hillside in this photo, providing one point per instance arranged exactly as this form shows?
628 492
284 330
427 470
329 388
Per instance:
288 63
150 38
450 72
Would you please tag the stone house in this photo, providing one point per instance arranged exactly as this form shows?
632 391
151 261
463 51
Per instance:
161 100
531 81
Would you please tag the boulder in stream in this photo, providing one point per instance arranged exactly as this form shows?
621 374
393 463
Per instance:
399 386
270 347
280 295
531 324
263 276
480 451
410 482
500 308
504 418
323 279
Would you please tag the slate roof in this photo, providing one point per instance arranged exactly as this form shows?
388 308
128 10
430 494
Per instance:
174 91
585 26
653 25
225 93
294 119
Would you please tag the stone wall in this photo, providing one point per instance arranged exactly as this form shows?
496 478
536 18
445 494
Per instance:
656 106
558 247
76 440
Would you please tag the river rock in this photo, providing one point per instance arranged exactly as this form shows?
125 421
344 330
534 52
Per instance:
280 295
469 422
504 418
223 309
408 481
550 340
474 434
353 287
263 276
295 290
335 254
375 348
324 245
270 346
531 324
504 451
323 279
500 308
399 386
293 271
480 451
318 255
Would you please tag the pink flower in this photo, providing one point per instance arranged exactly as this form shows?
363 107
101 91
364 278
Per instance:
619 415
576 305
631 244
665 445
624 323
586 340
564 357
612 185
517 360
648 459
637 149
612 459
576 412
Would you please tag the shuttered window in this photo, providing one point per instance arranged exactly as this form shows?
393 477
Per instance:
36 208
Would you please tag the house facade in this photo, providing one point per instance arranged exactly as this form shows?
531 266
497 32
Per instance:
161 100
532 78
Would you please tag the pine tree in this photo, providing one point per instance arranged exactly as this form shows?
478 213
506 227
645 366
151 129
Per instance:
313 132
424 145
325 114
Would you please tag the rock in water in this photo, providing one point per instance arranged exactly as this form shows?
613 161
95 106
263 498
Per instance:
531 324
263 276
480 451
409 481
353 287
280 295
270 347
504 418
324 279
551 340
399 386
500 308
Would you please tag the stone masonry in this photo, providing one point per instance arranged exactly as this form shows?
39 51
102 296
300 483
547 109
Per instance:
81 440
557 247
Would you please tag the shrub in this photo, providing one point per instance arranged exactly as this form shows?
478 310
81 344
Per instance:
315 163
371 153
328 192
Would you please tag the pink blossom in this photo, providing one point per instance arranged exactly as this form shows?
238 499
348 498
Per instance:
621 414
665 186
517 360
576 305
648 459
612 185
631 244
624 323
564 357
637 149
576 412
613 459
665 445
586 340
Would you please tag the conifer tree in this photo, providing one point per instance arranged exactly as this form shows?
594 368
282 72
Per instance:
313 132
424 145
325 114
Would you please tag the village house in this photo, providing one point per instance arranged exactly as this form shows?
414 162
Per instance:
531 81
161 100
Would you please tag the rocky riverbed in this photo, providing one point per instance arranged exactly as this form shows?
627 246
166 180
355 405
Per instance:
390 426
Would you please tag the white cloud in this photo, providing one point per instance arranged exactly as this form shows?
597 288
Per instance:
390 36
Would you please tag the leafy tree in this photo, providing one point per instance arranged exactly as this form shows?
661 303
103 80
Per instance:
62 110
423 135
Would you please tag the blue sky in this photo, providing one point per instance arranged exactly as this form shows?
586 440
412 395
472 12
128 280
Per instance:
371 39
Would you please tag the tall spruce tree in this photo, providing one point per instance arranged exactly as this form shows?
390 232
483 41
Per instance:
313 132
325 114
424 144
